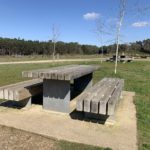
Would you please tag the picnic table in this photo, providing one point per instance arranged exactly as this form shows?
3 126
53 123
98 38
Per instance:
57 84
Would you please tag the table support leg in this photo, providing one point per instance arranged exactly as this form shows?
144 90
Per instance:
56 95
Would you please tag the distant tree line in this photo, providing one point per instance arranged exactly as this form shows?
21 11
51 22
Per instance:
24 47
131 48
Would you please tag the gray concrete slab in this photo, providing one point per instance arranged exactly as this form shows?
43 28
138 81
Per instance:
121 136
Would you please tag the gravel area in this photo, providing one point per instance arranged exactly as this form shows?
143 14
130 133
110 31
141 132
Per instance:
13 139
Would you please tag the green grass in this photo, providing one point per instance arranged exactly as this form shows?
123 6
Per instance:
40 57
137 78
64 145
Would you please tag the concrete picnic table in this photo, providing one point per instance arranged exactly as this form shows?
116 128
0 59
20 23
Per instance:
57 84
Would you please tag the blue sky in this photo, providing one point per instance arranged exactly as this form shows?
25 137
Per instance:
75 20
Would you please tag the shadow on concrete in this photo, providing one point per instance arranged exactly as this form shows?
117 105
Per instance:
38 100
11 104
89 117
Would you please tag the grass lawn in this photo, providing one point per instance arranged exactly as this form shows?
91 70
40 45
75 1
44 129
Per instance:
40 57
64 145
137 78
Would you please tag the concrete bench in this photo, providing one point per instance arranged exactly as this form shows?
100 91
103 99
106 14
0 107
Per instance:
22 92
102 97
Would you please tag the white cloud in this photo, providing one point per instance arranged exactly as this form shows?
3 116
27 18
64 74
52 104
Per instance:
141 24
91 16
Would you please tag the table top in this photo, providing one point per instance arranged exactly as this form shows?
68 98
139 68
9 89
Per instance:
68 72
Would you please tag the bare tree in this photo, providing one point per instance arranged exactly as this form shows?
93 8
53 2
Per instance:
139 9
55 35
119 25
101 30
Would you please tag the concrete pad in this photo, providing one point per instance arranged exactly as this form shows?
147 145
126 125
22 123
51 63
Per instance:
120 136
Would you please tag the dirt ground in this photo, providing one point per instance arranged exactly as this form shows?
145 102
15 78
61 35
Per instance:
120 136
12 139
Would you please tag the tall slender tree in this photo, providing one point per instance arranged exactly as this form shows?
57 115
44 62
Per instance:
119 25
55 36
100 33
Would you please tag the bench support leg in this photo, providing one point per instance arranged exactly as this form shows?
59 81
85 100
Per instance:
25 103
111 120
56 95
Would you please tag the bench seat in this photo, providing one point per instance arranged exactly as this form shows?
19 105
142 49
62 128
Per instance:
21 90
102 97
